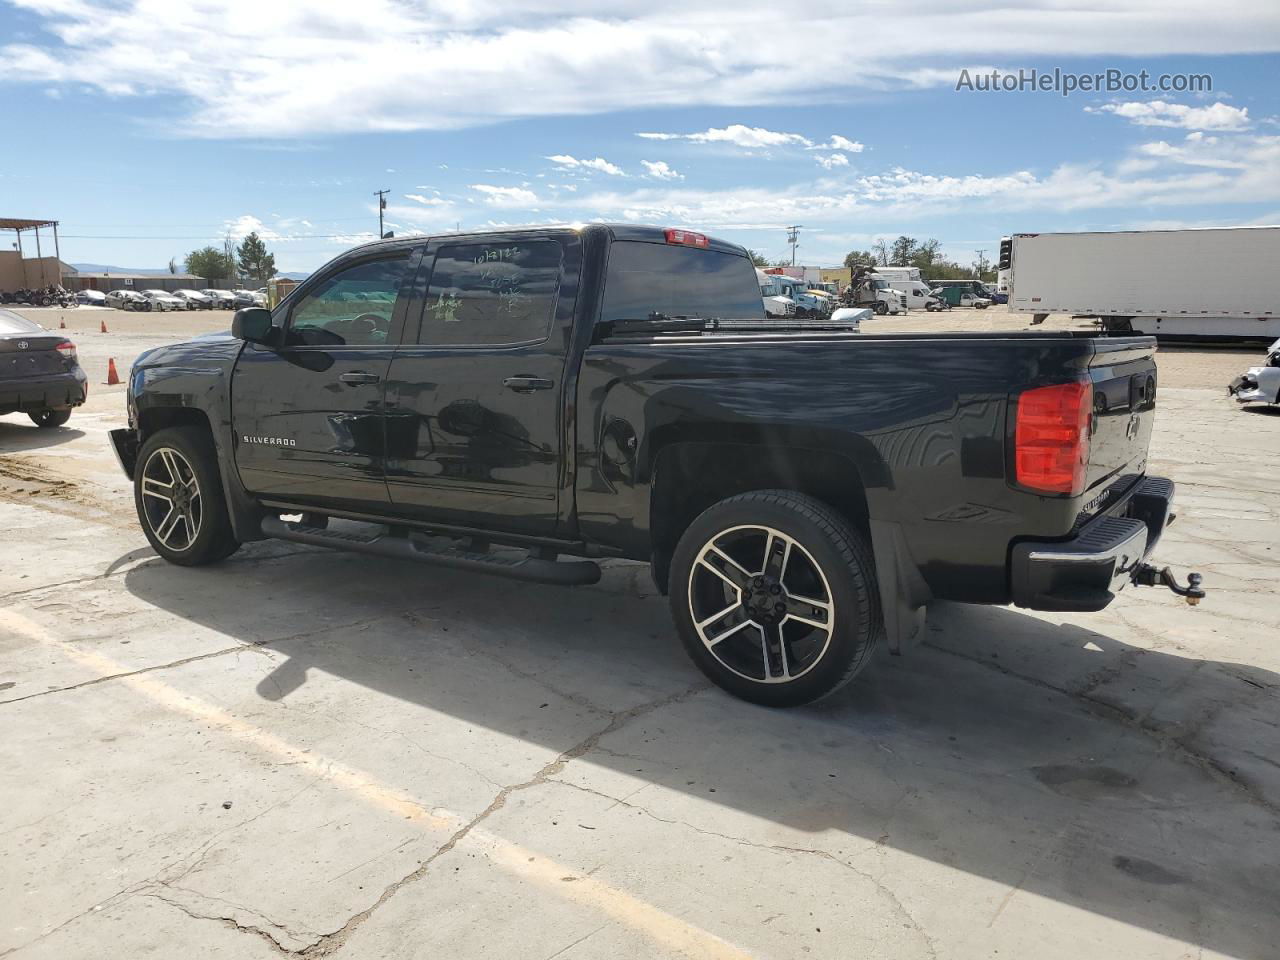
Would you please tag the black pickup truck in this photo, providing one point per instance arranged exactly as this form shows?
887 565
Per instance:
801 491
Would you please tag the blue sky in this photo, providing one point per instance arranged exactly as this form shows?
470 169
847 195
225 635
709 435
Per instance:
149 128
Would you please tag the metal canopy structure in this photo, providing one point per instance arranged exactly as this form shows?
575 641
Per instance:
18 225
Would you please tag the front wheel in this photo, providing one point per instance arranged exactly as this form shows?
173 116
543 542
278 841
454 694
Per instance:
774 596
881 308
178 494
48 419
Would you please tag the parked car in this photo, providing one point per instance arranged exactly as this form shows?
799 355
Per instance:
127 300
249 298
1259 384
796 488
164 300
194 299
222 299
39 373
91 298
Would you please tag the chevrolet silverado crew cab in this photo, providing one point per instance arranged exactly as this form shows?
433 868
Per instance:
526 402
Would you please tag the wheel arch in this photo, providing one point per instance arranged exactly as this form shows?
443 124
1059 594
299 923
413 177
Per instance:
246 514
690 473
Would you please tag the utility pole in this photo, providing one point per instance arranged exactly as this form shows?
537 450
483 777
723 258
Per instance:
793 238
981 263
382 205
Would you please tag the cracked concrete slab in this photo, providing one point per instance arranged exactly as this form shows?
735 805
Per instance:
422 762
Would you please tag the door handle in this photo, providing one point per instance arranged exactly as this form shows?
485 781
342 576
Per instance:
527 384
359 378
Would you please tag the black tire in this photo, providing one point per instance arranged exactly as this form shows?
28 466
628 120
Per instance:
197 462
48 419
834 559
881 308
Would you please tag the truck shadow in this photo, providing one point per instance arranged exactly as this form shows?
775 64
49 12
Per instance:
1042 756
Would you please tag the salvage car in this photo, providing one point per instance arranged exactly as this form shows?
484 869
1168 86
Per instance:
1259 384
194 299
91 298
800 491
127 300
221 299
164 300
39 373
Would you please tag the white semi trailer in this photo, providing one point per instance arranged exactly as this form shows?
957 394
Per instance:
1203 284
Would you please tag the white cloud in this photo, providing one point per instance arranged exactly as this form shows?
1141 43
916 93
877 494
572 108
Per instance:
838 142
1159 113
427 201
739 135
284 70
832 160
513 197
565 162
659 170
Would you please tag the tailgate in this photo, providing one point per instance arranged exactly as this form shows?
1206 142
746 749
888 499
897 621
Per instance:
1123 371
32 356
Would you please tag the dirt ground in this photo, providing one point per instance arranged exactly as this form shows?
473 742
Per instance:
301 752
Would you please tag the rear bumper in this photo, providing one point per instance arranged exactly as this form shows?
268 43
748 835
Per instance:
1085 572
43 393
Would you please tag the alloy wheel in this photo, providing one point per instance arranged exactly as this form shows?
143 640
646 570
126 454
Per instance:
761 604
171 499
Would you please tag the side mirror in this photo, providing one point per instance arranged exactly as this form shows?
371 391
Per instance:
252 324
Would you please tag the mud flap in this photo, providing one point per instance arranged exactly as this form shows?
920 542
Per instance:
903 592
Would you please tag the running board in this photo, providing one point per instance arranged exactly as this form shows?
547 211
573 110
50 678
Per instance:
565 573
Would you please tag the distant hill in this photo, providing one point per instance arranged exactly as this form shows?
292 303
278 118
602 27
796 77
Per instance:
162 272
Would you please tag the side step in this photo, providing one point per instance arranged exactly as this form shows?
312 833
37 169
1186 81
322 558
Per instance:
565 573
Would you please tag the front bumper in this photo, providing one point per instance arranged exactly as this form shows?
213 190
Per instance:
44 393
1085 572
1246 389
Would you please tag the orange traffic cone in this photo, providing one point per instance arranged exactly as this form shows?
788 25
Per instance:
104 327
113 378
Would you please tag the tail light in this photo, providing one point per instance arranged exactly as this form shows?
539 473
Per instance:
686 238
1051 438
67 349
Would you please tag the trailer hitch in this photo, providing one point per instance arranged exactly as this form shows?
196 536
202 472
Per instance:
1151 576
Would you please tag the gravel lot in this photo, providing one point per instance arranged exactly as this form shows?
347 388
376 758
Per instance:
311 753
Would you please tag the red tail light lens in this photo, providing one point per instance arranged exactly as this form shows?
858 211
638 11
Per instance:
67 349
686 238
1051 440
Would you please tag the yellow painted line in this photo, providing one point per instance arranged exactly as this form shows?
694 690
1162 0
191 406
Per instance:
661 927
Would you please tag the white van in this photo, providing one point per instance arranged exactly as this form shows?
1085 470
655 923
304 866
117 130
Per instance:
916 292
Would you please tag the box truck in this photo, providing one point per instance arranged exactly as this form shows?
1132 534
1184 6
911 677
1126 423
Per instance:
1217 283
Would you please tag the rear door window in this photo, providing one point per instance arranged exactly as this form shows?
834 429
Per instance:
485 294
676 281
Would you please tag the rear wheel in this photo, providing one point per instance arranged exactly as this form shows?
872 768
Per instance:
774 596
48 419
178 495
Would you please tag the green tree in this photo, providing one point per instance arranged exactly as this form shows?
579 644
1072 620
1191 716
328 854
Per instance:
759 259
855 257
903 249
210 263
255 263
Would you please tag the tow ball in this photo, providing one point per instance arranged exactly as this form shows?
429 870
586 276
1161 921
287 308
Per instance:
1151 576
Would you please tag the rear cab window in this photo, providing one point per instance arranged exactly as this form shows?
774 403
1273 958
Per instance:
643 278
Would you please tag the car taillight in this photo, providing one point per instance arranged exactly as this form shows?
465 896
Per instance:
1051 438
686 238
67 349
